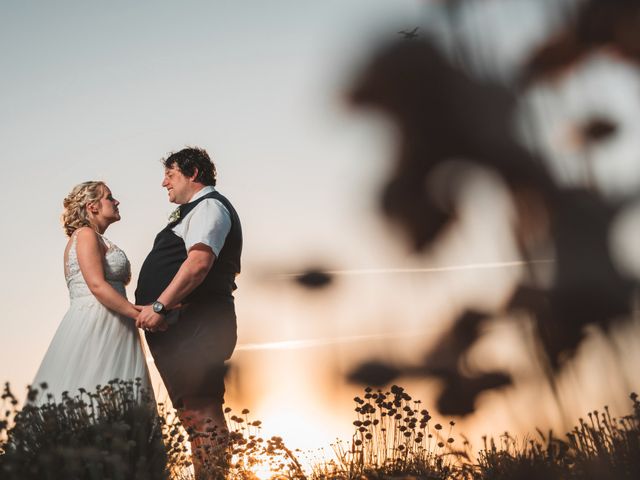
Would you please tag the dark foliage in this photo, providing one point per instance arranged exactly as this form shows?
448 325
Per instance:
119 433
114 432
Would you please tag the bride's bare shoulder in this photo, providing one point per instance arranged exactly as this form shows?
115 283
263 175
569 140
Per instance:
85 232
88 237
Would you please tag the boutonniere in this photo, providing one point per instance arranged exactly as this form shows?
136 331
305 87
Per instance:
175 215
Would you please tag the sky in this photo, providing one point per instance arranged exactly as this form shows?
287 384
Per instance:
94 90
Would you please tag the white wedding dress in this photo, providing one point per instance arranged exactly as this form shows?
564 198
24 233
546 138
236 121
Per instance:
93 344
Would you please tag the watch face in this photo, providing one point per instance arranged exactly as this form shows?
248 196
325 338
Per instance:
157 307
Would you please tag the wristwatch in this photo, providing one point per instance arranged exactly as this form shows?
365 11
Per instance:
158 307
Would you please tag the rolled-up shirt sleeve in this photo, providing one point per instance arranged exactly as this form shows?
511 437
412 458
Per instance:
209 223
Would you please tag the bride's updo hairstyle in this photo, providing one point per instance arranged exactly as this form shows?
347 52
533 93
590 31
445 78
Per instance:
75 204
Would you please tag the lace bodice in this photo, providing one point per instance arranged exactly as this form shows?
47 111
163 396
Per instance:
117 269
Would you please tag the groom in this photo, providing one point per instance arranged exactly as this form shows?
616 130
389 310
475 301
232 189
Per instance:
186 285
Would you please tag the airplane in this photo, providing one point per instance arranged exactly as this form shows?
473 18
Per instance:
409 35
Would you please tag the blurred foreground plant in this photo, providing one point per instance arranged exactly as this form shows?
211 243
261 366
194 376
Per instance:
452 124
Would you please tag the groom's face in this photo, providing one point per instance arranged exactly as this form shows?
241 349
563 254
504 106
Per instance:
177 184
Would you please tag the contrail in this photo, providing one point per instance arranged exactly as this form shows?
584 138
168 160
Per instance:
319 342
450 268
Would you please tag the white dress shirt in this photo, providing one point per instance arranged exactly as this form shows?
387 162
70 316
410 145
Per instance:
208 222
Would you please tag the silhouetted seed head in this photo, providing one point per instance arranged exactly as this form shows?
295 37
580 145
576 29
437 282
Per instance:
32 394
437 426
314 279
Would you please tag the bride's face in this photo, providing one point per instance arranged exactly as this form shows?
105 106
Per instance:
107 207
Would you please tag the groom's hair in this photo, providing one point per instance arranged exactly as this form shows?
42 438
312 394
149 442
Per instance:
190 159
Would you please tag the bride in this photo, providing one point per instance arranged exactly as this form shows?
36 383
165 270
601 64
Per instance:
97 340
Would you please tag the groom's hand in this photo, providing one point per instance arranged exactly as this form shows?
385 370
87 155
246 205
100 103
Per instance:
151 321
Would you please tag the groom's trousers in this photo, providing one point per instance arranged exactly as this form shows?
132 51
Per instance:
190 355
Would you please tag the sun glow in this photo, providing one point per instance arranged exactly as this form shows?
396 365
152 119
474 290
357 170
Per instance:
262 471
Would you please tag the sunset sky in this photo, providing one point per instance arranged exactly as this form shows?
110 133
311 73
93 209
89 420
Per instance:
95 90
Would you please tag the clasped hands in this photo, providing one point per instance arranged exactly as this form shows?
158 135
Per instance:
150 321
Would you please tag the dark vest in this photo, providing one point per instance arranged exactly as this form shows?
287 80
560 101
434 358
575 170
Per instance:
169 252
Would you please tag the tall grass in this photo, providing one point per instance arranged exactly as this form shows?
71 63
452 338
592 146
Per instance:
603 447
118 432
393 436
113 432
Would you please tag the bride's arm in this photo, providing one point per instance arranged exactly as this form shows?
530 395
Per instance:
90 257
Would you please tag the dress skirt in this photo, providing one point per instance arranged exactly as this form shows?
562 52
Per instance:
91 346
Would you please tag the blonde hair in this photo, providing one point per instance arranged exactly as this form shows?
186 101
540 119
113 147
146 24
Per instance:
75 204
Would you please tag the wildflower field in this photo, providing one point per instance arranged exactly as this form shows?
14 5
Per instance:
118 432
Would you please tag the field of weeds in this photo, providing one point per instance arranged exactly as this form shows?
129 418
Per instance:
118 432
